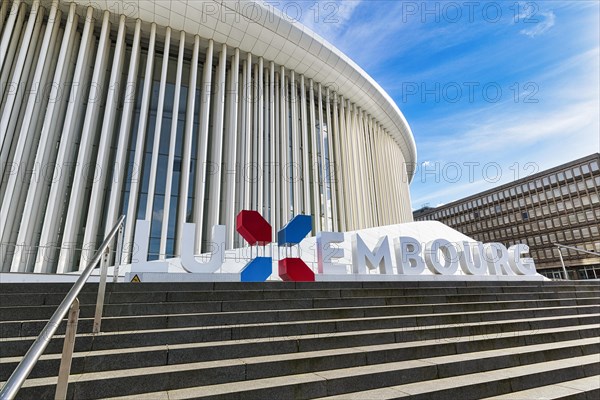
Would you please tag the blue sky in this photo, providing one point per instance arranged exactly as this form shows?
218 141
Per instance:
493 90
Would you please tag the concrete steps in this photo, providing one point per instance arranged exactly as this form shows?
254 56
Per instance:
325 340
577 389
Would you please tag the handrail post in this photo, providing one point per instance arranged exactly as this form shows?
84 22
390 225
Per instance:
67 353
101 291
562 261
118 254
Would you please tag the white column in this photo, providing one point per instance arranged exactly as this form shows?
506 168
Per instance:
324 178
294 163
330 164
94 210
370 174
38 189
408 215
372 179
284 149
314 167
362 151
394 212
368 170
214 202
342 139
231 159
358 182
72 224
277 138
266 169
380 157
358 132
139 149
394 204
242 148
400 193
339 166
273 151
351 157
158 127
8 30
186 159
15 80
172 143
260 101
255 142
3 11
249 167
14 42
57 196
202 158
305 149
240 182
388 181
377 172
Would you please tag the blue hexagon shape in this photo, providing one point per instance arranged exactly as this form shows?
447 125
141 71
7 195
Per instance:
257 270
295 231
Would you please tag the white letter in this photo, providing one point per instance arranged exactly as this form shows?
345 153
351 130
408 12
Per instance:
409 261
325 253
521 266
362 257
188 259
496 257
432 257
471 259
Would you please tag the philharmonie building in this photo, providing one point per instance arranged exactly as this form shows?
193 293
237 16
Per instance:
176 112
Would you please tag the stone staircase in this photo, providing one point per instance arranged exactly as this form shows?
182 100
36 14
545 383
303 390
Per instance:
271 341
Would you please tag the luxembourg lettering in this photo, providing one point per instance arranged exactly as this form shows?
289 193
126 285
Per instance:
440 257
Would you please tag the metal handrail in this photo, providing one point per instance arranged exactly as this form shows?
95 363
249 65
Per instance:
17 378
559 247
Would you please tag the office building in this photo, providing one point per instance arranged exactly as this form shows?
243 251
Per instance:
558 206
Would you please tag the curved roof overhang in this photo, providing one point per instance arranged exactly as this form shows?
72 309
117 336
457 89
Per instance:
263 30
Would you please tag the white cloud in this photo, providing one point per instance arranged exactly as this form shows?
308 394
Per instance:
563 126
451 192
541 26
325 17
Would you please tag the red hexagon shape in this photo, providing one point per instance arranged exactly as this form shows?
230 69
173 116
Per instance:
254 228
295 270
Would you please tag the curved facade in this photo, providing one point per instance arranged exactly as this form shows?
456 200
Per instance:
183 111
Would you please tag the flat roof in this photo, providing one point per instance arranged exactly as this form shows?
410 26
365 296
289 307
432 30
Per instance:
427 211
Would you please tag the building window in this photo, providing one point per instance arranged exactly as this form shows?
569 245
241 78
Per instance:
525 215
585 169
